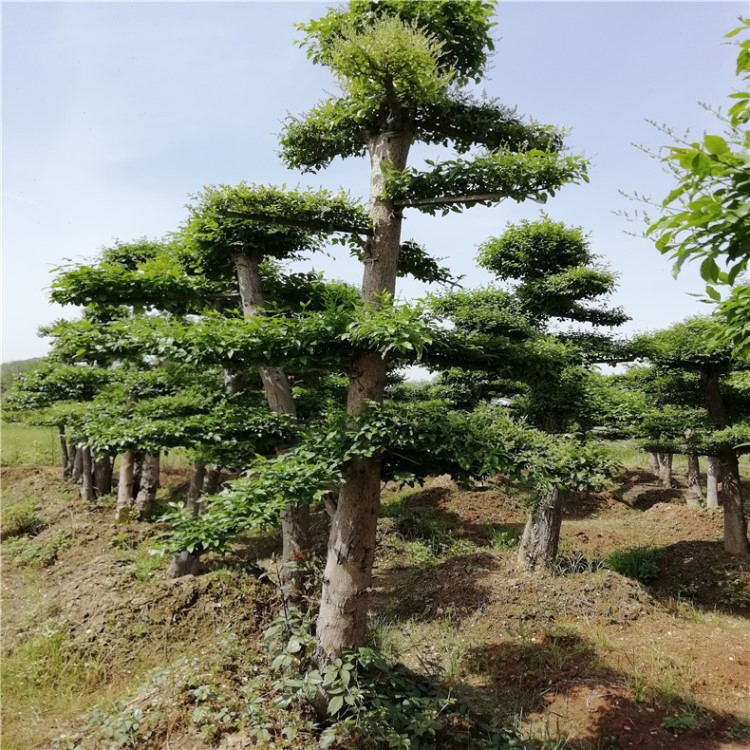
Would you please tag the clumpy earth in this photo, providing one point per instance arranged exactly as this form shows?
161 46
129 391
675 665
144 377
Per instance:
652 652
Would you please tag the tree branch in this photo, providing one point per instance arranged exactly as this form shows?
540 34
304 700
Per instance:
305 223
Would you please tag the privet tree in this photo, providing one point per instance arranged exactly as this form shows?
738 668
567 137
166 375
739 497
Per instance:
403 68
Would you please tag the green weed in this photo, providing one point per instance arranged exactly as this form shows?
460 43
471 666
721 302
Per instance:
32 552
20 519
640 563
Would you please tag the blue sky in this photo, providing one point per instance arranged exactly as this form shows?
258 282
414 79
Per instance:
114 113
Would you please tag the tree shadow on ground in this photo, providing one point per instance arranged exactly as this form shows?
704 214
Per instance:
554 677
705 575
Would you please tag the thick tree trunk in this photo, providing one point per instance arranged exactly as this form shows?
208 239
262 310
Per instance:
184 564
103 466
351 543
149 484
654 461
735 524
195 492
211 483
541 536
295 522
64 452
713 471
694 494
125 501
86 482
665 470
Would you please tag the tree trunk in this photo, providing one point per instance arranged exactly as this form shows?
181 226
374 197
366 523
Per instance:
87 475
694 494
712 482
197 478
351 543
103 466
137 473
149 483
735 524
125 501
541 536
295 521
654 461
64 453
75 473
665 470
211 483
184 564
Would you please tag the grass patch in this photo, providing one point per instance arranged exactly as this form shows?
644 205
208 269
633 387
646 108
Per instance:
20 519
33 553
640 563
24 445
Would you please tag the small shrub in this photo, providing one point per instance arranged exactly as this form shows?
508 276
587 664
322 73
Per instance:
503 538
735 591
576 562
640 563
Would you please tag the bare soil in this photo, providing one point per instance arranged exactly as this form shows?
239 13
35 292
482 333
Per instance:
602 660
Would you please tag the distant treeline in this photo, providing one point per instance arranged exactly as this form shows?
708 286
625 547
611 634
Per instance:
9 371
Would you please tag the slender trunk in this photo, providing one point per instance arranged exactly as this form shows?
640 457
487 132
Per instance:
351 543
64 453
211 483
712 482
137 473
735 524
541 536
654 461
665 469
87 475
103 466
184 564
197 478
694 494
75 474
124 509
295 522
146 497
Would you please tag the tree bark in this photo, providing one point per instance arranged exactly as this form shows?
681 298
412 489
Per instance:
712 482
654 461
184 564
735 525
211 483
125 500
665 469
541 536
351 543
197 478
86 482
64 453
295 522
149 484
694 494
103 466
75 473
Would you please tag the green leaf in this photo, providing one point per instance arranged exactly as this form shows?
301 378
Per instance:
715 144
713 294
709 269
335 705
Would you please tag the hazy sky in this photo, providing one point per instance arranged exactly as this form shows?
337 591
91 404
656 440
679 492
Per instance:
114 113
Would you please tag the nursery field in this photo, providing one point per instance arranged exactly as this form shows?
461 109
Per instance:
638 639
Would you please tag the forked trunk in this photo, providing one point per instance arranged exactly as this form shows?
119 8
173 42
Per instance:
103 466
694 494
541 536
86 482
212 481
665 470
124 509
149 484
351 543
654 462
735 524
712 481
64 452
